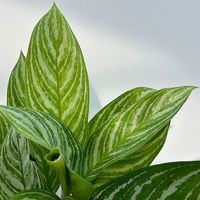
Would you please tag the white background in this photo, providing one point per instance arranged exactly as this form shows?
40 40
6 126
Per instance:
126 44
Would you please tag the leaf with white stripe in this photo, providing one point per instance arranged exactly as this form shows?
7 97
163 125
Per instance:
16 85
17 171
35 195
143 157
43 129
16 98
170 181
117 105
4 128
132 128
57 81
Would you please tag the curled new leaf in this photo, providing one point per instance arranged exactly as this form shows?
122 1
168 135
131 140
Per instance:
46 131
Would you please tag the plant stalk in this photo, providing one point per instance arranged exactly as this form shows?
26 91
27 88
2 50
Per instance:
55 159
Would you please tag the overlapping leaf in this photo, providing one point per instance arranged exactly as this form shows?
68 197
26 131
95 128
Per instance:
57 81
166 181
141 158
18 172
46 131
16 86
16 98
35 195
131 128
4 128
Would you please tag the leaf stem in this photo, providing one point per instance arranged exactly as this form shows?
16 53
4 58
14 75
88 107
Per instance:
55 159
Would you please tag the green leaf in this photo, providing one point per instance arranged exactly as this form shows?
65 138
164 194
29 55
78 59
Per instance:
18 172
16 98
132 128
16 85
35 195
57 81
141 158
50 133
117 105
4 129
166 181
46 131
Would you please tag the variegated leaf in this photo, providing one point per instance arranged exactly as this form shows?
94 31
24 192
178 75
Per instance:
18 171
131 128
35 195
141 158
4 128
16 85
46 131
172 181
120 103
57 81
16 98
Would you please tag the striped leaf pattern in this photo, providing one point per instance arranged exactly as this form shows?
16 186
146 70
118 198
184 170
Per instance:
16 98
131 128
4 128
16 85
35 195
169 181
37 154
18 172
57 81
120 103
46 131
143 157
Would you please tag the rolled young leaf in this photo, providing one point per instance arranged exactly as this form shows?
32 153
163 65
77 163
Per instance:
50 133
165 181
16 85
17 171
57 81
35 195
16 98
131 128
55 159
143 156
46 131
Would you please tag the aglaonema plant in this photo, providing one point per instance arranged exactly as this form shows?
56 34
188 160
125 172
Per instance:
47 142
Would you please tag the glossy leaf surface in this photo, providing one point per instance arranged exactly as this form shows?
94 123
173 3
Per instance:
141 158
131 128
46 131
16 86
169 181
57 81
117 105
16 97
18 171
35 195
4 128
